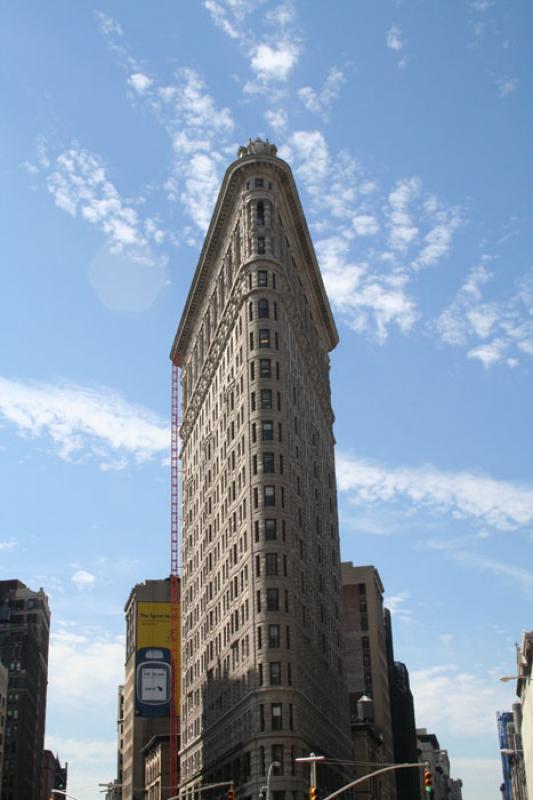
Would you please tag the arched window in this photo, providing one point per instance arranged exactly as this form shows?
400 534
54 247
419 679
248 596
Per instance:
260 216
263 308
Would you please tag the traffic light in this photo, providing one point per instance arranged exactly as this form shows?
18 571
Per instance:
230 793
428 782
313 793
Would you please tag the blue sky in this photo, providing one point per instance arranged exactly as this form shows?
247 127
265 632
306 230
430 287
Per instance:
408 127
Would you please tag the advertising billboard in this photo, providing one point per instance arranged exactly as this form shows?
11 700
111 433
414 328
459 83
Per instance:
153 672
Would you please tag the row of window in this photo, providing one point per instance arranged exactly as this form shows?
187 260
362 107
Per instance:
264 339
263 277
268 463
273 636
272 597
263 310
276 717
269 496
265 369
264 398
275 674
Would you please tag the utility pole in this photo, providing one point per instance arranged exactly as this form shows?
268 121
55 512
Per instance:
311 759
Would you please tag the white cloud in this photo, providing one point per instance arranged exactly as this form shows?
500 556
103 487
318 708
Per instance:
229 15
272 56
108 25
194 123
84 666
277 118
90 762
394 38
413 229
140 82
517 576
490 353
320 102
274 63
493 332
83 580
396 43
200 132
504 505
402 229
79 185
478 693
365 225
84 422
8 544
506 86
396 606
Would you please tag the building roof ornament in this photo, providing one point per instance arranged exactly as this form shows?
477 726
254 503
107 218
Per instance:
257 147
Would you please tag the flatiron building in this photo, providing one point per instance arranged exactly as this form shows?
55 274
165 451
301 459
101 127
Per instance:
262 667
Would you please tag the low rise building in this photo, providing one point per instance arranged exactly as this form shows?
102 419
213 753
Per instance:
157 768
53 775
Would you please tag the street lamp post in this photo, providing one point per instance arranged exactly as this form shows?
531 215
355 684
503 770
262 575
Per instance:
266 788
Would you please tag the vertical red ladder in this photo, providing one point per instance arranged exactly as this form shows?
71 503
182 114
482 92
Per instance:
174 581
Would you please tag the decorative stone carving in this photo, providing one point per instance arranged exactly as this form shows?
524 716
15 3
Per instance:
257 147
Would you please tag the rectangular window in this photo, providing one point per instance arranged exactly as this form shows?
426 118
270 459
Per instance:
270 530
268 462
251 341
264 337
261 245
277 757
271 564
272 598
266 399
259 637
267 430
265 368
258 600
273 636
262 717
269 496
277 719
254 435
252 370
275 673
252 401
259 183
262 277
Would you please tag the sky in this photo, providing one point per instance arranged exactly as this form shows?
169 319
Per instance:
408 126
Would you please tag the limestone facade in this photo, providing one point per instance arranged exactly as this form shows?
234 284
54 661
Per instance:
262 666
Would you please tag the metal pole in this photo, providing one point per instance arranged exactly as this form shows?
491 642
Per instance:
418 765
64 794
272 766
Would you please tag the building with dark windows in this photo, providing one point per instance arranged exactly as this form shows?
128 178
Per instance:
53 775
366 642
402 707
24 635
262 661
3 715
